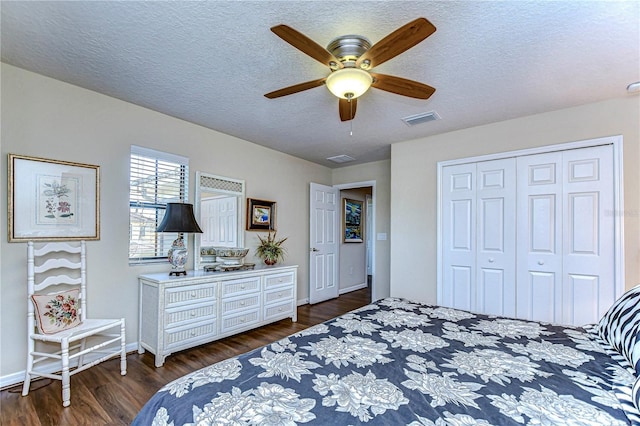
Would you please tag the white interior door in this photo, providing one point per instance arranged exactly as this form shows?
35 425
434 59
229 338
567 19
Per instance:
539 237
478 223
459 236
568 240
496 237
588 251
565 235
323 237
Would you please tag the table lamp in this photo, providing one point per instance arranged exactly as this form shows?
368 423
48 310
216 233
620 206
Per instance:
179 218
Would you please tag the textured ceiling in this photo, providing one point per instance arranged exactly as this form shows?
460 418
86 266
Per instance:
210 63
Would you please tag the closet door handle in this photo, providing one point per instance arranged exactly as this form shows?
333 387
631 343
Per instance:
540 262
491 260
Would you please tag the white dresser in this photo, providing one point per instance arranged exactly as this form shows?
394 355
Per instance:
178 313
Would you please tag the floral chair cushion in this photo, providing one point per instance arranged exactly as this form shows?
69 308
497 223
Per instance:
57 312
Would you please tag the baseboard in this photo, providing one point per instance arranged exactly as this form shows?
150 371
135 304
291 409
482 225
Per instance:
301 302
52 367
353 288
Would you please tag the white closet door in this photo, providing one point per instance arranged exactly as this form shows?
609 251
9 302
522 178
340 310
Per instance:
496 237
459 236
539 237
565 236
588 271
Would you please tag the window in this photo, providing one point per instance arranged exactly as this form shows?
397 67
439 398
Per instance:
155 179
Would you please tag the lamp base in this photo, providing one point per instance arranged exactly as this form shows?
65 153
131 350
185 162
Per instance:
178 257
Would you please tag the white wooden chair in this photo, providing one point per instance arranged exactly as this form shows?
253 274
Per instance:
61 314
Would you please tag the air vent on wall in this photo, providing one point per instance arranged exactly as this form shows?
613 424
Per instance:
425 117
341 158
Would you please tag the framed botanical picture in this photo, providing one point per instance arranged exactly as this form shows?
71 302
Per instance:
51 200
352 219
261 215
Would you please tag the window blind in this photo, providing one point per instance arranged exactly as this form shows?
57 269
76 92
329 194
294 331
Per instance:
155 179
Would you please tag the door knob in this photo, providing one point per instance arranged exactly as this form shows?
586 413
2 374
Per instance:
491 260
540 262
314 249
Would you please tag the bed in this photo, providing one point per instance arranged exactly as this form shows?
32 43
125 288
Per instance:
399 362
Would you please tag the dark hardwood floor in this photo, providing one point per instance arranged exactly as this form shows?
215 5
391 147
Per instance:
100 396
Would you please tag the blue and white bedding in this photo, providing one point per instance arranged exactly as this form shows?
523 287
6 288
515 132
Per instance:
397 362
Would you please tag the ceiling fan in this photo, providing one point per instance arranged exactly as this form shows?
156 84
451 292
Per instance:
350 59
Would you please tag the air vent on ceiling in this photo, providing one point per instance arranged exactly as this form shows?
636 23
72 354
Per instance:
341 158
425 117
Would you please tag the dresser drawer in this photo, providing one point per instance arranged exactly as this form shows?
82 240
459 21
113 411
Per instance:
189 313
278 295
176 296
281 310
275 280
180 336
239 304
240 286
242 320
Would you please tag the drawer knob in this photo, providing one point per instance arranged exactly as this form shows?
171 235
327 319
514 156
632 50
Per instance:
242 287
279 280
193 333
193 314
279 309
242 320
193 295
279 294
241 303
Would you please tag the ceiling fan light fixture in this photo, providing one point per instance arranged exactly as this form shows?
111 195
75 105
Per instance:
349 83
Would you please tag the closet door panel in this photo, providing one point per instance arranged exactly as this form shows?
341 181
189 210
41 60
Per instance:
536 296
495 245
458 223
588 249
582 298
539 237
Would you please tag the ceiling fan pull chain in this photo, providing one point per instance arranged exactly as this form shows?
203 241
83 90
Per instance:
350 121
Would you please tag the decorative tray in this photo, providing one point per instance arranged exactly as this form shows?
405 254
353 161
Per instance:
226 268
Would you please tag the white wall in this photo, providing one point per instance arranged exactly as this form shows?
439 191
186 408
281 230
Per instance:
51 119
378 172
414 183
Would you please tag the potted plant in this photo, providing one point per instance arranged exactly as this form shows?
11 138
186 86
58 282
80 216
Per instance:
270 249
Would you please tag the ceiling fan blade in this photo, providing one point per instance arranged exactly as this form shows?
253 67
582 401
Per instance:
306 45
295 88
402 86
397 42
347 109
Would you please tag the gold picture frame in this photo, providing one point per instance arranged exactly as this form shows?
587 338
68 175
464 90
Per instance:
352 221
52 200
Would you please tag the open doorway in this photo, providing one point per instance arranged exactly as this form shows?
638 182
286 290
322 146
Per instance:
357 260
354 244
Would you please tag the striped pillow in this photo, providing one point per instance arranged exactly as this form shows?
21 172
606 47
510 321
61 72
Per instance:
635 393
620 325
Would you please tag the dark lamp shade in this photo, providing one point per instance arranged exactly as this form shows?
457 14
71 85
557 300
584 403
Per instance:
179 218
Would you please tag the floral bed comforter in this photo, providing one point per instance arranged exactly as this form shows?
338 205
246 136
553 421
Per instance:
396 362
